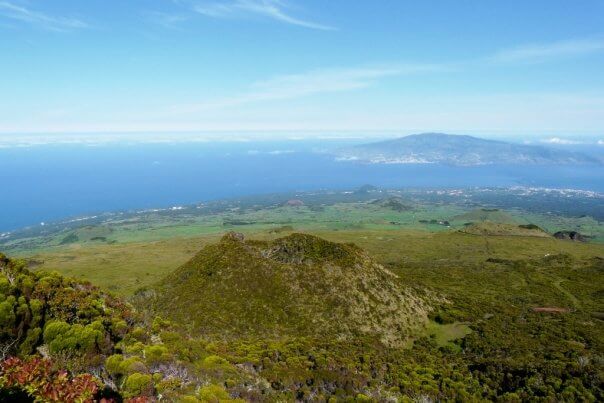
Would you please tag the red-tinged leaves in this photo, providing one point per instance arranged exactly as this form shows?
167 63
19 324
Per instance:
36 377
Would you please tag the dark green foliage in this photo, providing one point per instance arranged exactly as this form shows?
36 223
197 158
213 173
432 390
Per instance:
513 351
71 238
61 336
69 316
529 226
394 203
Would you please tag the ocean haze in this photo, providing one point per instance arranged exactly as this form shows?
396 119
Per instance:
53 182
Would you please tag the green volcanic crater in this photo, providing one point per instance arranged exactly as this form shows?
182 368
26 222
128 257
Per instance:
296 285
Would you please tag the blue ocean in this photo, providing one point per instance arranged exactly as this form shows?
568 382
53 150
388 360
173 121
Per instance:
43 183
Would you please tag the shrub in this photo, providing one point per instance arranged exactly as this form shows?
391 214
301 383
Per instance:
4 285
156 355
139 333
214 362
113 364
7 314
131 365
61 336
136 348
213 394
119 328
160 324
31 340
168 385
138 384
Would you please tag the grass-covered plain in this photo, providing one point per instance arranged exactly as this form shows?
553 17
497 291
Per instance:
125 266
424 210
124 252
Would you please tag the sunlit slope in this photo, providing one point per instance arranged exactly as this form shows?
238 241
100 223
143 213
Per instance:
485 214
487 228
296 285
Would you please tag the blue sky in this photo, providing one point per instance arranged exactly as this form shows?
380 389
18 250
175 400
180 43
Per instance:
506 67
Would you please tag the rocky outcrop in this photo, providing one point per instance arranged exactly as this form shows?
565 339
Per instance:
570 236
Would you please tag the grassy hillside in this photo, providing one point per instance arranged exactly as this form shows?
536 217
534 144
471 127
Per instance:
498 229
124 267
296 285
486 214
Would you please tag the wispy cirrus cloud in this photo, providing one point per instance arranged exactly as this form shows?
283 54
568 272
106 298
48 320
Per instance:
313 82
166 20
319 81
13 11
271 9
543 52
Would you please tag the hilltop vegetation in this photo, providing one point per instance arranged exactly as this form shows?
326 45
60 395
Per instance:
499 229
299 285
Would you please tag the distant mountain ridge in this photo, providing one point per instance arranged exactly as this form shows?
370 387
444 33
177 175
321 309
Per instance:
461 150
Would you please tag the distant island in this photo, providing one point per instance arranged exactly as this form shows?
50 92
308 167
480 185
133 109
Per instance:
459 150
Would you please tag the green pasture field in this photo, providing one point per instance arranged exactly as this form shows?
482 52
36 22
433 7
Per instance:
356 216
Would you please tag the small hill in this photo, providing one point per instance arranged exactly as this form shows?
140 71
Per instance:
459 150
485 214
394 203
502 229
299 285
